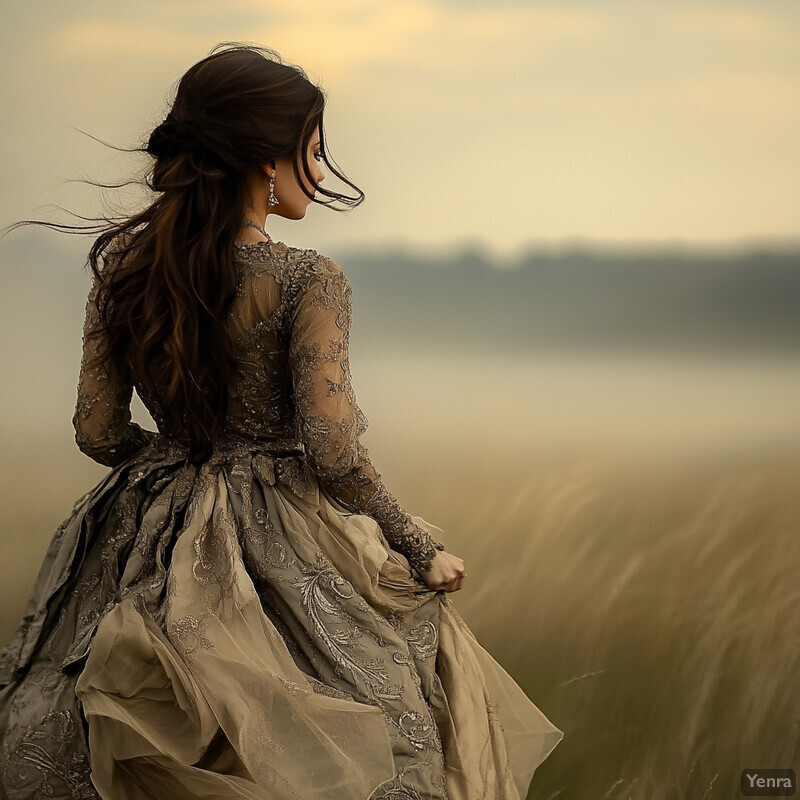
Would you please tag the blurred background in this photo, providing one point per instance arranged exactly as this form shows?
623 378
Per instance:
576 331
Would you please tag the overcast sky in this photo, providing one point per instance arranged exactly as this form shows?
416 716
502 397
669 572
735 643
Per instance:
502 123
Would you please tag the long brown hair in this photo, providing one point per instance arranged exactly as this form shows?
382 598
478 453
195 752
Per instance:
164 304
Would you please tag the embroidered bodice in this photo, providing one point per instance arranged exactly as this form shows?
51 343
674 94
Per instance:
291 323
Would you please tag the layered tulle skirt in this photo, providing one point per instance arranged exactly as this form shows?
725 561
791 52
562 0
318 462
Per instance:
231 631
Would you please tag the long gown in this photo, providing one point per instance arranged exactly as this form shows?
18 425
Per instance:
256 626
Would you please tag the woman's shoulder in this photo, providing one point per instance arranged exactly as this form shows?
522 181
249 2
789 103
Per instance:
314 267
300 263
311 262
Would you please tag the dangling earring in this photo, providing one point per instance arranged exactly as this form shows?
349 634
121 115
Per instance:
272 200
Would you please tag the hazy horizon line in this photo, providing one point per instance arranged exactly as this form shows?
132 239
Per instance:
686 248
675 246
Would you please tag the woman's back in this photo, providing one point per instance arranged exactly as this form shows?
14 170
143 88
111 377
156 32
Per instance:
261 402
261 405
271 279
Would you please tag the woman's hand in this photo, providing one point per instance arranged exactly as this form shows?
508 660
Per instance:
446 572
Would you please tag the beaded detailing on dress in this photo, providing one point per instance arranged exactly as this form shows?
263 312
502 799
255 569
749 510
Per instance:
291 321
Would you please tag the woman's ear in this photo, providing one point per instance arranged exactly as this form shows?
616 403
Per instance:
269 169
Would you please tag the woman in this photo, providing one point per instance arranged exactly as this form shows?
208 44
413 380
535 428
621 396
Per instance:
241 608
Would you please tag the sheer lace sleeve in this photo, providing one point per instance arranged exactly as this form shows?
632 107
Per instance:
331 421
102 419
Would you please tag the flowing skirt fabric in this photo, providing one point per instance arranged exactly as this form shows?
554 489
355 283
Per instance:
231 631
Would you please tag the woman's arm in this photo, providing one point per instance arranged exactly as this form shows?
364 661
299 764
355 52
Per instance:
331 421
102 419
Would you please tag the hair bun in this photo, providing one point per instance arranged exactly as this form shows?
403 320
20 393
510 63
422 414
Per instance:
164 140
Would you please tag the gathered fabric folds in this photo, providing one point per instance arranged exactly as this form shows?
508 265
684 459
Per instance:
231 631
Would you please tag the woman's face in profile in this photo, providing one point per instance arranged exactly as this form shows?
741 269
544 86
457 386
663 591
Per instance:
293 202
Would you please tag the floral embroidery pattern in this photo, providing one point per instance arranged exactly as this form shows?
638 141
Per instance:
190 634
423 639
42 756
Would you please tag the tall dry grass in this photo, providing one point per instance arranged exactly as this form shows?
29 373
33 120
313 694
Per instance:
650 609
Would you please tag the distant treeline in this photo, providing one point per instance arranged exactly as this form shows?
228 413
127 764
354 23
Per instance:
573 301
723 304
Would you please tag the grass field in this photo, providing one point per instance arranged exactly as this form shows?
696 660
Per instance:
650 609
652 613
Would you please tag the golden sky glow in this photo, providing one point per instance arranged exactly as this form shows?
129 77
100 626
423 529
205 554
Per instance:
503 123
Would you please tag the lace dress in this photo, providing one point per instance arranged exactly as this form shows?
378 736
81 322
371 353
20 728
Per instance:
254 627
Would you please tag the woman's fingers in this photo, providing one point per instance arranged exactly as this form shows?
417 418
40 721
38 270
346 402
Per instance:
446 573
454 585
